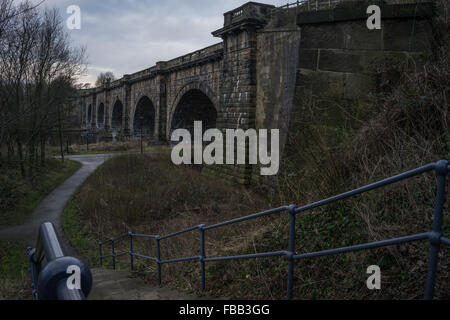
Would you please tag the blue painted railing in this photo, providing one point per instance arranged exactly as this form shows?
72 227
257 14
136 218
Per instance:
436 238
50 269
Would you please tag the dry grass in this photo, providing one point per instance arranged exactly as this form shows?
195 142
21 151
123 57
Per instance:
148 194
15 282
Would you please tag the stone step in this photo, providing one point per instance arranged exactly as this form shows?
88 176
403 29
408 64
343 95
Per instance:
120 285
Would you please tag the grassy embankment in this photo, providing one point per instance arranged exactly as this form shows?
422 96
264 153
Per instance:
15 283
19 196
147 194
18 199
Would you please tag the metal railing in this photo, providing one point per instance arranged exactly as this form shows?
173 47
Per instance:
317 5
436 238
311 5
50 269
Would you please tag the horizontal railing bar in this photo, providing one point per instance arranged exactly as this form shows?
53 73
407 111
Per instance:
445 241
248 256
144 257
114 239
372 245
115 255
121 254
144 236
180 260
121 237
369 187
252 216
179 232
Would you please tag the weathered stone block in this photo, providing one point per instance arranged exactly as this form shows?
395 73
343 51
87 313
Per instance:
339 61
322 36
359 37
308 58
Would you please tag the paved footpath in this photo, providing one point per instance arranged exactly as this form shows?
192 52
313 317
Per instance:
118 285
51 208
107 284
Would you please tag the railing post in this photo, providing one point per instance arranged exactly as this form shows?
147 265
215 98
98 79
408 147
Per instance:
101 254
291 252
158 256
113 253
130 234
202 255
435 237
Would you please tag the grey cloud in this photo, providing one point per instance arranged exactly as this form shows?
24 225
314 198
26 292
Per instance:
126 36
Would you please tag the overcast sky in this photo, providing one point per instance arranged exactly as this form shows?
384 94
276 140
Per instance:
126 36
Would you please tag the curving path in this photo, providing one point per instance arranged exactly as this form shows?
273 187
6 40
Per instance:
107 284
51 208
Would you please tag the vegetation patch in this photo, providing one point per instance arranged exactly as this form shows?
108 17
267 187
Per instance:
15 281
19 196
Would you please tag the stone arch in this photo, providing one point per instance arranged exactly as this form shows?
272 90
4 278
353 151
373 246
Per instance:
116 118
196 101
144 117
101 116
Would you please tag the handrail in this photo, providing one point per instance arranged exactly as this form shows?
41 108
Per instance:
436 238
51 281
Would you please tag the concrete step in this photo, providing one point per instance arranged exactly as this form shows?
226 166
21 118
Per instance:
119 285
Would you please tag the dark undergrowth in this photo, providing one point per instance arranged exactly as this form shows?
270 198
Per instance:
19 196
15 282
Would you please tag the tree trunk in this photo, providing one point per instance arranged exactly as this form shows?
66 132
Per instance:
30 157
60 134
20 152
42 151
10 150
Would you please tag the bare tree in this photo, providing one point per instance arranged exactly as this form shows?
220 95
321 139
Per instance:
38 71
104 79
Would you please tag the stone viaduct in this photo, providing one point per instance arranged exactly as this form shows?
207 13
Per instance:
252 78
